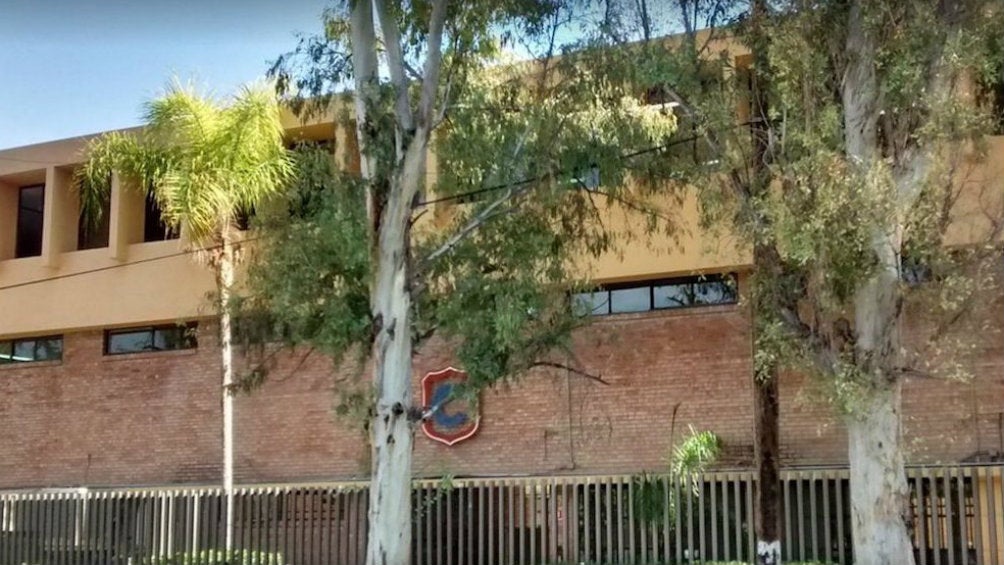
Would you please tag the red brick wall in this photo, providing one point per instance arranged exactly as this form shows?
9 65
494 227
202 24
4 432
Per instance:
155 418
546 422
943 420
110 420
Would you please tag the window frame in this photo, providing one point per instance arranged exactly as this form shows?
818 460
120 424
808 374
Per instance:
651 285
188 335
13 342
18 241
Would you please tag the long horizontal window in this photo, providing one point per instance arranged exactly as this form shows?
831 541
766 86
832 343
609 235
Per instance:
27 350
150 338
664 294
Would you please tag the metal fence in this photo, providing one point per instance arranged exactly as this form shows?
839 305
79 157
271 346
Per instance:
957 518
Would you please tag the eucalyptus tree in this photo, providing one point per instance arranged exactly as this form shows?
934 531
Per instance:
847 181
206 163
484 257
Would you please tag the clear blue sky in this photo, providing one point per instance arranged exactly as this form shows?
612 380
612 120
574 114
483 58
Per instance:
69 68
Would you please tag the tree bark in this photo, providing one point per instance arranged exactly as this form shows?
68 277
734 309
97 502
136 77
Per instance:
389 201
390 428
767 502
878 477
226 281
879 491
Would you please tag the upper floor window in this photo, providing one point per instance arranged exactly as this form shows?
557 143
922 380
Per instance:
26 350
94 235
151 338
30 213
658 295
154 227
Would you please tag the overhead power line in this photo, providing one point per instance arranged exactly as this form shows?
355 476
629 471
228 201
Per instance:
522 182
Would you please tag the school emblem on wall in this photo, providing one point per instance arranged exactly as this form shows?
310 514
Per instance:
450 419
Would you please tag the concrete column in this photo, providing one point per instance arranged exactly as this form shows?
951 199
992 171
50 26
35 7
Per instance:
119 222
8 220
53 228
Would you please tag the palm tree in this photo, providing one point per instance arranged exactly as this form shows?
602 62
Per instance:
205 164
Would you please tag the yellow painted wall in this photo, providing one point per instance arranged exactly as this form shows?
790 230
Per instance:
164 288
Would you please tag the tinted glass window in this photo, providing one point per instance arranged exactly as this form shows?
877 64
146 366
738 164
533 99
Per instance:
49 349
674 293
130 342
714 292
31 349
31 204
164 338
591 303
630 300
672 296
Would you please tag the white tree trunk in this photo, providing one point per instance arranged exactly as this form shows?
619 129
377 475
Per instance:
875 452
390 214
226 281
879 491
390 428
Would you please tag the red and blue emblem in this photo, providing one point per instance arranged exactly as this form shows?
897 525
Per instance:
450 419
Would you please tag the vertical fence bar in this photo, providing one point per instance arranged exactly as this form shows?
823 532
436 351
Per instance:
990 484
610 547
750 535
789 541
726 527
960 491
813 516
919 517
713 484
800 515
511 530
482 526
977 527
701 532
947 481
935 505
737 482
689 552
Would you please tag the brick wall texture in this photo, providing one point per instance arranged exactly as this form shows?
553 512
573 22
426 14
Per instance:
154 418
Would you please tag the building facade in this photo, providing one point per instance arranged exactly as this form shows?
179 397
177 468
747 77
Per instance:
110 369
100 385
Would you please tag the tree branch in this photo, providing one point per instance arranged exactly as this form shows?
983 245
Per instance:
489 212
570 369
364 63
433 64
396 65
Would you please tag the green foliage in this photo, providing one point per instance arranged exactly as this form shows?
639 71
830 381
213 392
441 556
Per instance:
688 460
204 161
812 212
492 263
310 270
650 495
695 453
218 557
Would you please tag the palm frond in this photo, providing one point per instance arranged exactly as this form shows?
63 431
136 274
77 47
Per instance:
203 162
